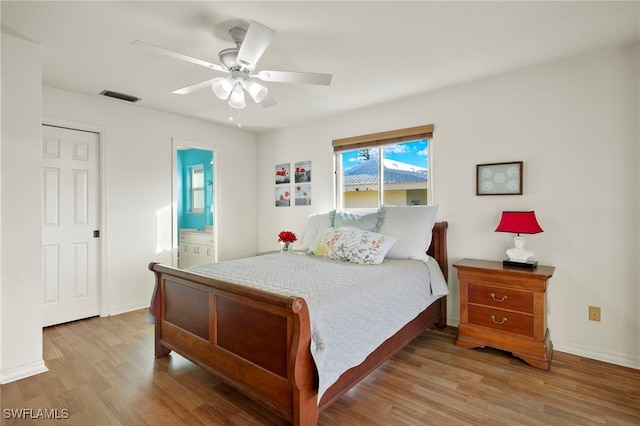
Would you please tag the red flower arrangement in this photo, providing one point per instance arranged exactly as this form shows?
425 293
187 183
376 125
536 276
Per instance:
286 237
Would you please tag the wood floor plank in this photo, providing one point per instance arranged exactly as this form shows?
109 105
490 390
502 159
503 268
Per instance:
103 371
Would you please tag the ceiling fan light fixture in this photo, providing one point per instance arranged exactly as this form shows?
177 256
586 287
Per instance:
236 100
222 87
257 91
239 63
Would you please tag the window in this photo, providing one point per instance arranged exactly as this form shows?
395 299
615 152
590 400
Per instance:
197 189
401 178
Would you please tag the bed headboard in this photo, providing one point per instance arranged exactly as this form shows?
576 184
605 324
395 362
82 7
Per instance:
438 248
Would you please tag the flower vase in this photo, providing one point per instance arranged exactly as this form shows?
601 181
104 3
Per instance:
286 248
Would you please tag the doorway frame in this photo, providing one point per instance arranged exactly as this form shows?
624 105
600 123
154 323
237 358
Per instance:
176 144
102 241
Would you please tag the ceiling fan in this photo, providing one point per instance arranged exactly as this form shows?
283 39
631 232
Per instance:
241 62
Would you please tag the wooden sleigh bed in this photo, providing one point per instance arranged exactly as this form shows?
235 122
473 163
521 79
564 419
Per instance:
259 342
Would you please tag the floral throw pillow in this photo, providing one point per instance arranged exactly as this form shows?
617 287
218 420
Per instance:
352 245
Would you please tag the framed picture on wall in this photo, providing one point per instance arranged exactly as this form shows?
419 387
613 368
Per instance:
283 196
302 172
283 173
499 178
303 195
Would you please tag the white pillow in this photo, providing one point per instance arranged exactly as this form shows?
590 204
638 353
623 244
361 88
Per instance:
412 226
315 223
352 245
366 222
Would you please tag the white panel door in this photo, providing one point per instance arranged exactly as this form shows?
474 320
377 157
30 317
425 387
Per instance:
69 219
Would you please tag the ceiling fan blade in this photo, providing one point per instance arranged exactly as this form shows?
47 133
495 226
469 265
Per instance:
167 52
268 101
296 77
255 42
193 87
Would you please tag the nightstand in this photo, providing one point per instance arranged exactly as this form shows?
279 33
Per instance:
505 308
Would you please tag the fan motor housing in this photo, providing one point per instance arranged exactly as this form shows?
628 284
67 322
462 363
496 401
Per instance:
228 57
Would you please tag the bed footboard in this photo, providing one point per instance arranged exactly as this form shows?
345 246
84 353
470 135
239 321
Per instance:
258 342
255 341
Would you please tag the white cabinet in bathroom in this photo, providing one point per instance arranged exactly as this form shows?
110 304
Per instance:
196 248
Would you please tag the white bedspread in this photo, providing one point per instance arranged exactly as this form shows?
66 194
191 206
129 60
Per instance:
353 308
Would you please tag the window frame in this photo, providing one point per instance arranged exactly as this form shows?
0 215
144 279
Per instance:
192 171
379 141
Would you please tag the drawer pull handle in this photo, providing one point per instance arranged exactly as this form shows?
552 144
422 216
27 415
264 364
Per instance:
493 296
493 318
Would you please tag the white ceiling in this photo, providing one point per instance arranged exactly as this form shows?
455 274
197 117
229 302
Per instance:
376 51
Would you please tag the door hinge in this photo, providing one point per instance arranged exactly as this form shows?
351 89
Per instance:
96 233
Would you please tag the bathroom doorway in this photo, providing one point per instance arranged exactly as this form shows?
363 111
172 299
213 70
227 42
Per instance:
194 204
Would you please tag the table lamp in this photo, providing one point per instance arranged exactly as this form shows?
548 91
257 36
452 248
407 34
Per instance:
519 223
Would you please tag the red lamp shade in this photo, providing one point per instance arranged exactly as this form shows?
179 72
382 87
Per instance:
519 223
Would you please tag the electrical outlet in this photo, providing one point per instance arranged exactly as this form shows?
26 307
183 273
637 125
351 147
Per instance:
594 313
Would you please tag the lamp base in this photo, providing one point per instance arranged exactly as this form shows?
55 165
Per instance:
530 264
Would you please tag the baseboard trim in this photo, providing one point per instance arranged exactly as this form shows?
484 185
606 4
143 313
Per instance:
127 308
598 355
22 372
582 350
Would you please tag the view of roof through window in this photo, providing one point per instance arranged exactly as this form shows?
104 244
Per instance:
404 170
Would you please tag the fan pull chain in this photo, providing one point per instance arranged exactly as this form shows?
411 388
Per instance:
232 118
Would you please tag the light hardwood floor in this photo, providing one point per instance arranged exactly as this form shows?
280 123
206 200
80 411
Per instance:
102 370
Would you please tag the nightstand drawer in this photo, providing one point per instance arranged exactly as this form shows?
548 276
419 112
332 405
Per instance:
503 298
501 320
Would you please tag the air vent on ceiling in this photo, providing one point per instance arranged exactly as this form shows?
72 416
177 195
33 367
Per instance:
121 96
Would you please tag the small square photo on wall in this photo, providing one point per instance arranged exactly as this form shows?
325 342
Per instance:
283 173
302 171
283 196
303 195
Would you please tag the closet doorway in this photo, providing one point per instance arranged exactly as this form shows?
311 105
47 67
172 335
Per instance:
194 204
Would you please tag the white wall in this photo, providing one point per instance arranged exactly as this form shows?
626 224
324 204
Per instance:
137 179
574 123
20 226
136 155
